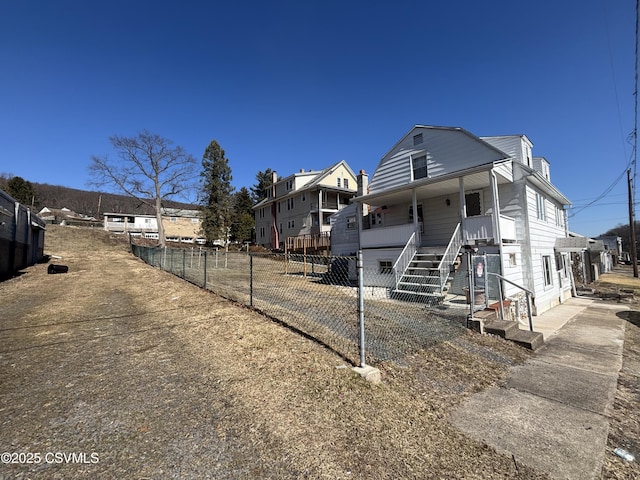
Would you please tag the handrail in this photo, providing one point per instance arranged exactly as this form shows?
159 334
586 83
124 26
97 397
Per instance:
449 254
528 293
405 257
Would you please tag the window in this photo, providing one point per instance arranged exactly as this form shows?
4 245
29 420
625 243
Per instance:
419 167
289 203
304 197
547 270
417 139
385 266
346 183
541 207
261 232
351 223
473 202
289 184
420 216
338 183
513 260
559 217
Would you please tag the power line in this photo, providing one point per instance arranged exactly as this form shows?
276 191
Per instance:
602 195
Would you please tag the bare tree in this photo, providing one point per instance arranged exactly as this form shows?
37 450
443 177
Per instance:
149 169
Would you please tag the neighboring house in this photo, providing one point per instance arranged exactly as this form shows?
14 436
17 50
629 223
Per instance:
179 225
590 257
65 216
612 244
21 236
182 225
296 212
441 188
138 225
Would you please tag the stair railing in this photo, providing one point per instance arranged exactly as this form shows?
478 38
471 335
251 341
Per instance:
405 258
449 256
529 295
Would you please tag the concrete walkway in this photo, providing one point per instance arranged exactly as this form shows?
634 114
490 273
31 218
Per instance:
552 412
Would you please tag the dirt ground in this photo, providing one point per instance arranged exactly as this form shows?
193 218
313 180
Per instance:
118 370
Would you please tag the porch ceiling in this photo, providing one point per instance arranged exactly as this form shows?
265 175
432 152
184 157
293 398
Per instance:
432 187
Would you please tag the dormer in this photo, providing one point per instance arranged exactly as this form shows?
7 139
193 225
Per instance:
541 165
518 147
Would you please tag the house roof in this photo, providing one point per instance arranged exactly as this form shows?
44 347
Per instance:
319 176
435 128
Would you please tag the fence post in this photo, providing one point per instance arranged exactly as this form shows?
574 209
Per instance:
184 262
360 269
164 258
250 280
205 270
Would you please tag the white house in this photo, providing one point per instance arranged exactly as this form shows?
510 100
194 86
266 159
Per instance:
130 223
441 188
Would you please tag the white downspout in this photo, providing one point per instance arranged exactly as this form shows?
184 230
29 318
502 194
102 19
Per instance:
463 210
416 223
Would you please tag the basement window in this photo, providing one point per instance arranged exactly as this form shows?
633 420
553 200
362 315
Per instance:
386 266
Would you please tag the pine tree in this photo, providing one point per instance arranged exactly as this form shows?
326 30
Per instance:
264 182
21 190
242 226
216 194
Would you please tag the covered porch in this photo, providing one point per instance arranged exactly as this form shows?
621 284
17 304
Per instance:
433 207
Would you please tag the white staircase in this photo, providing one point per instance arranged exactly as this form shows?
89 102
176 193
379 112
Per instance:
423 276
421 281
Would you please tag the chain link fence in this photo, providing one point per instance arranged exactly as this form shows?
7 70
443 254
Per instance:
319 296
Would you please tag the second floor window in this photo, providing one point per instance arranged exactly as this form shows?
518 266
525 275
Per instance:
419 166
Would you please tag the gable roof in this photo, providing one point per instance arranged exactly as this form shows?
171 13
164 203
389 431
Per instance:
448 149
320 175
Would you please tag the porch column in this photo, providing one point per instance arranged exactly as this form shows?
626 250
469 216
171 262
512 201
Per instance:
463 209
416 222
320 221
493 181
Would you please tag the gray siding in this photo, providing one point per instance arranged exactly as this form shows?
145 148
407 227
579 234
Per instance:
448 150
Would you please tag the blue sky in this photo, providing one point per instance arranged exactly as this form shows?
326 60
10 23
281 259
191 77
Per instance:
303 84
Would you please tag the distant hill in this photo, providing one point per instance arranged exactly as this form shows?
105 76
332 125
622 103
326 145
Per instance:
88 202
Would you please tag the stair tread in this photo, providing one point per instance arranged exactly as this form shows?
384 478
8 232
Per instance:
411 292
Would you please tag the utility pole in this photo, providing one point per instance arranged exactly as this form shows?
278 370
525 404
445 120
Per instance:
632 227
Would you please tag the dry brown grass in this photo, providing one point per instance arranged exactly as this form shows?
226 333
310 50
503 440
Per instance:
165 380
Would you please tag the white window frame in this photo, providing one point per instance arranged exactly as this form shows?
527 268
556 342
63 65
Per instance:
415 157
385 267
547 271
541 207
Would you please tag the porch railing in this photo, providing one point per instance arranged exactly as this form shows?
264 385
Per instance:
482 227
310 242
406 256
450 255
529 295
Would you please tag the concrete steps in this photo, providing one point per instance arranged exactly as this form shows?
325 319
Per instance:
488 321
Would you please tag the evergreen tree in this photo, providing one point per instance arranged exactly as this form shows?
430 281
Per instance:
242 227
264 182
21 190
216 193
